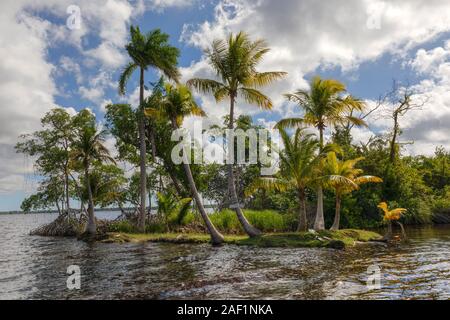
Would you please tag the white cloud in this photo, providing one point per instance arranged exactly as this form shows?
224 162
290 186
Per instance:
160 5
306 36
26 87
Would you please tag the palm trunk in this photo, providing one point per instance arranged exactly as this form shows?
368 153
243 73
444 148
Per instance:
302 219
388 235
248 228
319 223
143 157
176 183
91 227
337 217
404 236
216 236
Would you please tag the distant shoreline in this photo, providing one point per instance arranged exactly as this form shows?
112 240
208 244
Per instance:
53 211
56 211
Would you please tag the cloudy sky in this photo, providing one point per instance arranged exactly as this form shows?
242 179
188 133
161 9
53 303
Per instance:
69 53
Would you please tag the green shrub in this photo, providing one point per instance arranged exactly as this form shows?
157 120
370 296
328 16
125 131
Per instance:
124 226
266 220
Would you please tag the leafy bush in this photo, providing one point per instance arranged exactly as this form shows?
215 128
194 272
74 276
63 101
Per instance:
267 221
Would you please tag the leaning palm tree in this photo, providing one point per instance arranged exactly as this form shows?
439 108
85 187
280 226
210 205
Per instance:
177 103
324 105
298 163
343 178
151 50
87 148
235 60
392 215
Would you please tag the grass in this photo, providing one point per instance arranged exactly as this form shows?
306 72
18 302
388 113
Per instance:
323 239
265 220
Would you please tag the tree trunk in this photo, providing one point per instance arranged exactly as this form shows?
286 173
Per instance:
337 217
216 236
392 153
91 228
404 236
319 223
57 207
302 219
388 235
143 157
66 177
249 229
176 183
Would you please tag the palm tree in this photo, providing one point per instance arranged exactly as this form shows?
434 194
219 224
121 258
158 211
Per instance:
151 50
298 163
176 104
87 148
392 215
324 105
235 60
344 178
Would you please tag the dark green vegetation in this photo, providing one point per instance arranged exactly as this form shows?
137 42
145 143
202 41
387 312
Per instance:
326 179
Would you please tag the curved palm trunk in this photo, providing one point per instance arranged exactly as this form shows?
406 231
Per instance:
388 235
302 219
143 156
404 236
319 223
248 228
216 236
337 217
91 227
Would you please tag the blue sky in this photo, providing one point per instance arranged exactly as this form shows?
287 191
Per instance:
79 68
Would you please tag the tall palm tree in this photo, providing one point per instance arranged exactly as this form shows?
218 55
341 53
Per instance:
235 60
176 104
87 148
298 163
323 105
151 50
344 178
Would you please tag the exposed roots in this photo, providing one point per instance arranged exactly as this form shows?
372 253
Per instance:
65 225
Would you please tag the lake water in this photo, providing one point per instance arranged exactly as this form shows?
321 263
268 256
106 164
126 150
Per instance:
33 267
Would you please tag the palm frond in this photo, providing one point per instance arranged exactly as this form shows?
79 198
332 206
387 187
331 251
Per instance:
206 86
264 78
266 184
253 96
368 179
125 76
289 123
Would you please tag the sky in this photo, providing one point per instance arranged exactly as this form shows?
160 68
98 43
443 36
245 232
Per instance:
69 54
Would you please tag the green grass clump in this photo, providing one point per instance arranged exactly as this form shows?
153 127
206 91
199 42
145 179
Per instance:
266 220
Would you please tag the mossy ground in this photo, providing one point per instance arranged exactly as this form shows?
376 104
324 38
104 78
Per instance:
323 239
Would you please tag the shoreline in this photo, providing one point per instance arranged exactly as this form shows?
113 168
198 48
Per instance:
340 239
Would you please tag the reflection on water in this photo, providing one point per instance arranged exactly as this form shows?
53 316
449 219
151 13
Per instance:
34 267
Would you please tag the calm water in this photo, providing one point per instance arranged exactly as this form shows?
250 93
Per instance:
34 267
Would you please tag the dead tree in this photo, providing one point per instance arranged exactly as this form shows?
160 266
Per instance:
400 101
